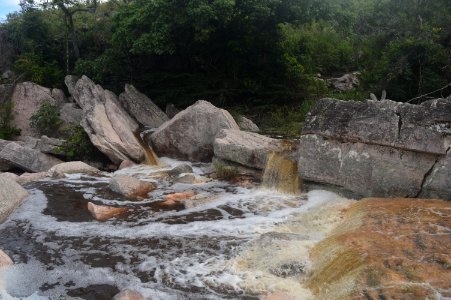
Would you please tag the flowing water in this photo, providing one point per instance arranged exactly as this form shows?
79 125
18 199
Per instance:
201 251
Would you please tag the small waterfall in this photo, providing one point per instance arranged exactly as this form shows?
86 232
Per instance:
151 158
281 174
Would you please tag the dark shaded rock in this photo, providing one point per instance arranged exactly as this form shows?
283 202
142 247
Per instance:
368 170
247 125
70 113
191 133
171 110
180 169
70 81
95 292
142 108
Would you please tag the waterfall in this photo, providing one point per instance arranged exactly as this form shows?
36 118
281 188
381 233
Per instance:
281 174
151 158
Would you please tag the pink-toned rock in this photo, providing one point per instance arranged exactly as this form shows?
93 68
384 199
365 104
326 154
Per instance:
5 260
30 177
103 212
126 164
176 198
128 295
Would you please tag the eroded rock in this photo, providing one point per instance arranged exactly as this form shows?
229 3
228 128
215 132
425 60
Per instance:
191 133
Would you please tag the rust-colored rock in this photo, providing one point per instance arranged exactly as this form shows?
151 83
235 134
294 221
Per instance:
5 260
128 295
386 249
176 198
103 212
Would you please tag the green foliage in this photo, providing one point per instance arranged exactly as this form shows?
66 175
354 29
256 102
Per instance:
225 172
7 131
46 119
78 146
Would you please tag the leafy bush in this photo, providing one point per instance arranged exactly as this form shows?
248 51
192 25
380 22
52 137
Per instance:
78 146
46 119
6 130
225 172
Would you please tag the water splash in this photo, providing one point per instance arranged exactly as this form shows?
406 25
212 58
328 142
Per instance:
281 174
151 157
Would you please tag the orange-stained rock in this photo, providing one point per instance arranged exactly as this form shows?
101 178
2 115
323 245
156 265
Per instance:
176 198
128 295
132 188
5 260
103 212
386 249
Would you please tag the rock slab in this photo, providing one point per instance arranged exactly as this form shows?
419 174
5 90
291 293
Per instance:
27 159
246 148
191 133
110 128
130 187
142 108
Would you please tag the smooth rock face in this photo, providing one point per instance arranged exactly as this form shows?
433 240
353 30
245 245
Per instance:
5 260
30 177
71 167
11 196
107 124
128 295
27 159
126 164
247 125
103 213
388 123
26 100
69 113
142 108
438 182
365 169
191 133
130 187
246 148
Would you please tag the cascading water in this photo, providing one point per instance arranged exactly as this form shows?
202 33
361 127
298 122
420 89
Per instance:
281 174
151 158
201 252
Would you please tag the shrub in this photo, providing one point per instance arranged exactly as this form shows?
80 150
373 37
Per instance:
78 146
225 172
6 130
46 119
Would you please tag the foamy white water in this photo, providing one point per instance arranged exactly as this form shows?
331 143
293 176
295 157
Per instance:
60 250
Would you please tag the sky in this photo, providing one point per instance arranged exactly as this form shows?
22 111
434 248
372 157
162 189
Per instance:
8 6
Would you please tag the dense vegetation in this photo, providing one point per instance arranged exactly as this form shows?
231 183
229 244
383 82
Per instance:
237 53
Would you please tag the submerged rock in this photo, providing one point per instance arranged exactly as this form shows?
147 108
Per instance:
142 108
246 148
190 178
107 124
103 212
5 260
382 242
176 199
130 187
180 169
128 295
11 196
191 133
27 159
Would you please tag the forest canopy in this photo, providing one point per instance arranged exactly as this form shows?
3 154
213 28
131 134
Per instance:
236 52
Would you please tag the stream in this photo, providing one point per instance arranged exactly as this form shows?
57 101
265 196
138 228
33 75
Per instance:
61 252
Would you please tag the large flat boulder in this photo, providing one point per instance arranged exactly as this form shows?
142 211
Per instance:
246 148
368 170
109 127
140 107
71 167
26 100
11 196
191 133
406 126
27 159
